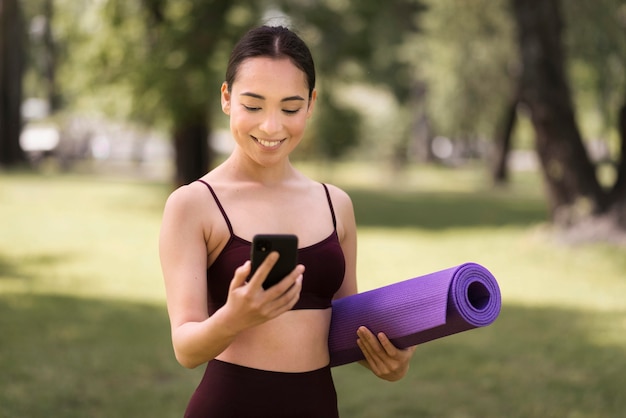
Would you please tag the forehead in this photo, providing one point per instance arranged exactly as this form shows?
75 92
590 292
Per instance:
270 76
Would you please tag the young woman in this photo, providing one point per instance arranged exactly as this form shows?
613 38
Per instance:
267 350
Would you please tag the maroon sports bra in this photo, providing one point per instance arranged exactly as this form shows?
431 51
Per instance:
324 262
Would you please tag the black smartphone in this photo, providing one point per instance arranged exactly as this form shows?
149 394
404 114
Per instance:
285 244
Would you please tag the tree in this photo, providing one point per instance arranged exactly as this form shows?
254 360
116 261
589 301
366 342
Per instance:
466 59
173 61
49 58
601 56
574 191
158 63
11 70
359 43
503 138
598 59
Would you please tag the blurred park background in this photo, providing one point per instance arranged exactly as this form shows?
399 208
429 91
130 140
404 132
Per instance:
464 130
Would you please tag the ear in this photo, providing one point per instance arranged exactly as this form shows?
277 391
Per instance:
225 98
309 111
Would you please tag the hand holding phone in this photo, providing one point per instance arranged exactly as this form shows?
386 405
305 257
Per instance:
285 244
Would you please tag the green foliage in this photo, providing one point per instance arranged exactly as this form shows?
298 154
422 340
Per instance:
357 43
336 128
152 61
34 20
598 62
466 56
159 61
162 61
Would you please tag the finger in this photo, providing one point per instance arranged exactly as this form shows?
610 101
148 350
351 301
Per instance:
286 293
280 288
297 288
387 345
374 361
241 274
264 269
370 347
288 299
365 334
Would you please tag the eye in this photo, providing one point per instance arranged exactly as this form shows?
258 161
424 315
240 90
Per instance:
291 112
251 108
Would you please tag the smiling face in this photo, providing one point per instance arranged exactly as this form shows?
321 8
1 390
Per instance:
268 105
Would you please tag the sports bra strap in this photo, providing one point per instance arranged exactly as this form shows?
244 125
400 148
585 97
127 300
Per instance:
330 205
230 227
219 205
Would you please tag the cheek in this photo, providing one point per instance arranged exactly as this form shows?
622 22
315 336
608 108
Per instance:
298 124
240 122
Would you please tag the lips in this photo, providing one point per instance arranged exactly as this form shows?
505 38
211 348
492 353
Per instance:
269 143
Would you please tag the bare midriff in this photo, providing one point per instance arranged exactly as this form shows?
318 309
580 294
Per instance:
296 341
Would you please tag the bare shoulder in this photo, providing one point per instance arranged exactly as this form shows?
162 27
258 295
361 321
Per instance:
191 211
188 206
184 197
342 203
341 199
193 199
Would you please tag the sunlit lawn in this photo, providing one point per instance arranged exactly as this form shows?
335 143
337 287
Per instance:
84 331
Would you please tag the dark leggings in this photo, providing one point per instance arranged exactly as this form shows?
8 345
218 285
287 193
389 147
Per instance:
230 390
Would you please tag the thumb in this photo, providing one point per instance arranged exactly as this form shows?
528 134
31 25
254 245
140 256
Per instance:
241 274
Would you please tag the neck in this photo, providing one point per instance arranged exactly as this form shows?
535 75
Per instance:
247 170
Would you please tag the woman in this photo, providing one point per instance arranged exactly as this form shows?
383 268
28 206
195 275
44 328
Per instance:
267 350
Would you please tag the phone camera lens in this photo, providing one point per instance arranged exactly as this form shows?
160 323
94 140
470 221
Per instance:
263 246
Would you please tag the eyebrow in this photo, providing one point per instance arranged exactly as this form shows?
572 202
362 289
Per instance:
286 99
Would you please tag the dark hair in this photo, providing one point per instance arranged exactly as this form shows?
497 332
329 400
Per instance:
273 42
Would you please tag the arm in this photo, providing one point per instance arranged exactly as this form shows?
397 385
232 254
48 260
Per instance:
381 356
196 337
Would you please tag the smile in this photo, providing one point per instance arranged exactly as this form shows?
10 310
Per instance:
269 143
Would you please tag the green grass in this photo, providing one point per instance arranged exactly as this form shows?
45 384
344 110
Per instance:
84 330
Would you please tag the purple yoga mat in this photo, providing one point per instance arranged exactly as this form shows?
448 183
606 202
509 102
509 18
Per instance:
415 311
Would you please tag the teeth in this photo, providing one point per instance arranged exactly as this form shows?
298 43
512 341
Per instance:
268 143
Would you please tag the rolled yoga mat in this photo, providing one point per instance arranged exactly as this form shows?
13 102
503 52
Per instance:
416 310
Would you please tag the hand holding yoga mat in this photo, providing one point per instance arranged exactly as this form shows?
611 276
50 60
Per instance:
415 311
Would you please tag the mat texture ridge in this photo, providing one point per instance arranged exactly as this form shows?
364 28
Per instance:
416 310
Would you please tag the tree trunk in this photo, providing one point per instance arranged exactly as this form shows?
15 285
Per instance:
11 70
191 149
572 185
502 141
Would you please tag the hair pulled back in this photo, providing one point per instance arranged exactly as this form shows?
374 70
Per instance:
273 42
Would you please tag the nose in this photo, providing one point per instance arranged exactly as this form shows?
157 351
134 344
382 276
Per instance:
271 124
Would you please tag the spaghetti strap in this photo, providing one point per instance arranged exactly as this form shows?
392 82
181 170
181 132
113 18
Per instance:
330 205
219 205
